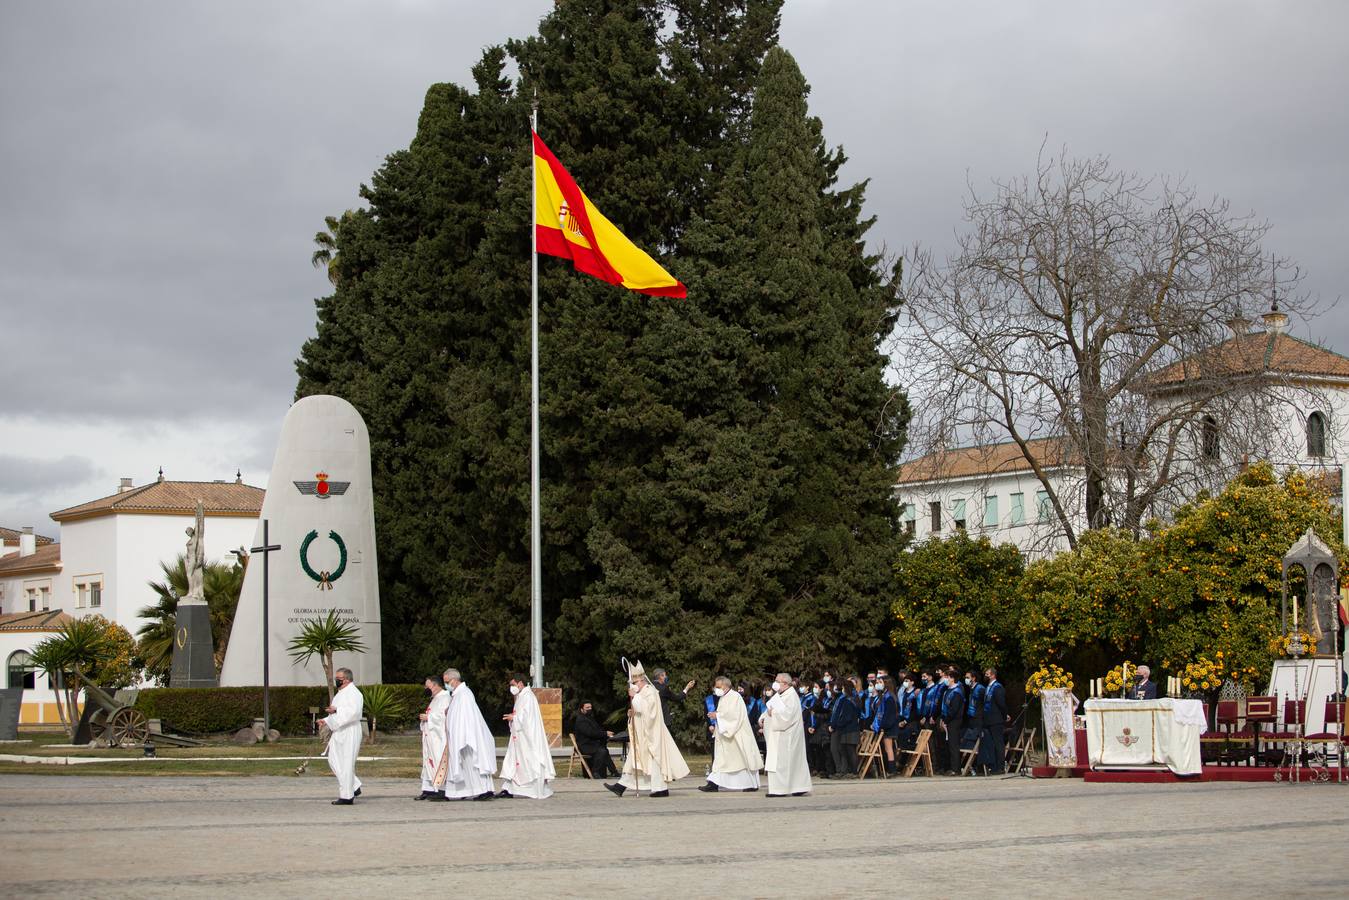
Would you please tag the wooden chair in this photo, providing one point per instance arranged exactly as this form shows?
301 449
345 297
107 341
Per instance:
1331 737
1238 744
577 756
869 751
919 753
1019 748
970 755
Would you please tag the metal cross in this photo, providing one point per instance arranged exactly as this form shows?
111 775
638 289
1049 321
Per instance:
266 550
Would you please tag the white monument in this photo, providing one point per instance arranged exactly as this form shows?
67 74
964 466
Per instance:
320 510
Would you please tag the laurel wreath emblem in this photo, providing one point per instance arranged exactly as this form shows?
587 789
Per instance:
324 578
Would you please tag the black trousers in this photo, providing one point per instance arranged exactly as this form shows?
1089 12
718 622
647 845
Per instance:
601 763
843 747
996 759
937 747
953 730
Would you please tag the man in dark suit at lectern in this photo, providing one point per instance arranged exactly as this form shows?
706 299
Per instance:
1144 688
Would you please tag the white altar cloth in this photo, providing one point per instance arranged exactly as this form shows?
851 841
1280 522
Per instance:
1145 734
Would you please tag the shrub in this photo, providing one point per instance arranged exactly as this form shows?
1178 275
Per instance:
227 709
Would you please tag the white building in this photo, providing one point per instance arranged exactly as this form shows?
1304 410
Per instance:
110 550
1295 415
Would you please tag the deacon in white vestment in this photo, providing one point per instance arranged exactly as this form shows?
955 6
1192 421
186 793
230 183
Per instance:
470 757
344 724
433 737
528 766
788 772
735 758
653 759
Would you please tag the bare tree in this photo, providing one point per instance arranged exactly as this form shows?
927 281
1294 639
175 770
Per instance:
1072 301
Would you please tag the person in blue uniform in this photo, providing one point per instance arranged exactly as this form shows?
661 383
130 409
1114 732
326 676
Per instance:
995 719
844 732
909 713
885 721
710 719
974 711
953 720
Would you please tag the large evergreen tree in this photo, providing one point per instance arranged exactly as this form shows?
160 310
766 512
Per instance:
716 470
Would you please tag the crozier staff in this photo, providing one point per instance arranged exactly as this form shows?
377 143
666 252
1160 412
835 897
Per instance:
653 759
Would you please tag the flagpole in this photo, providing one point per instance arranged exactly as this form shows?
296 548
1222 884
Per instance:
535 567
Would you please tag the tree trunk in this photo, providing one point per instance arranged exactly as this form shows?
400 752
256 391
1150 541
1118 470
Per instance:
66 723
328 673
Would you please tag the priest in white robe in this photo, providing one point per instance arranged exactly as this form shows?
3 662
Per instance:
528 766
433 737
785 733
653 759
470 757
346 729
735 759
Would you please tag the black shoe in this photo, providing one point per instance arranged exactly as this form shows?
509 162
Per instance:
659 794
709 788
357 794
800 793
504 794
485 795
340 802
775 795
618 789
748 790
438 797
424 795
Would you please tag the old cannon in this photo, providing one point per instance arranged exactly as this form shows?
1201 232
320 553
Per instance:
110 722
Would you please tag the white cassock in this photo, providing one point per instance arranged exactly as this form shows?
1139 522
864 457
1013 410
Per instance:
345 744
470 757
528 766
785 735
653 759
433 739
736 761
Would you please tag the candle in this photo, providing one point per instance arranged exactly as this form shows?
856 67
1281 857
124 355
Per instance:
1295 605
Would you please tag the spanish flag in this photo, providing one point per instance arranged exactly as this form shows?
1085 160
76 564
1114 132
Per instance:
567 224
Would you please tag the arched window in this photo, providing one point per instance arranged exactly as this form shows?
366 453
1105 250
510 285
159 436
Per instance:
1208 439
1316 434
22 672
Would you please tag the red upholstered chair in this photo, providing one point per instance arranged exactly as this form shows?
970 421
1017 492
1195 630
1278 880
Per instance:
1334 715
1229 716
1294 716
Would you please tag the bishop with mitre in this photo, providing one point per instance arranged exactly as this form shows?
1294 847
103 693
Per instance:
653 759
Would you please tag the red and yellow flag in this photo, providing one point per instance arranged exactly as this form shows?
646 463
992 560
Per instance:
568 225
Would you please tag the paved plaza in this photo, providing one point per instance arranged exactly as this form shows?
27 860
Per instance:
96 836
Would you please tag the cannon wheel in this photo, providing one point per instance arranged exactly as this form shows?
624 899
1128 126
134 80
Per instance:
127 726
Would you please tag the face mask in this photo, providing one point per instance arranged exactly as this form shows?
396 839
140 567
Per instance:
718 691
908 685
801 690
515 689
815 691
969 681
827 679
586 712
780 687
871 689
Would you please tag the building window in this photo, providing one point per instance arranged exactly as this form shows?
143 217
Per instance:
1017 512
1316 435
934 514
32 600
46 598
81 595
1208 439
22 672
958 513
991 511
1044 509
909 513
95 594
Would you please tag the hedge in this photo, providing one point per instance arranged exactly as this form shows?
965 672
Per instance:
227 709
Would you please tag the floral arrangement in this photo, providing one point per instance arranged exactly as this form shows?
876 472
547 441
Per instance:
1114 679
1281 643
1204 674
1048 678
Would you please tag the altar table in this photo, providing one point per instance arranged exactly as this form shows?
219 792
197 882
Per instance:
1145 734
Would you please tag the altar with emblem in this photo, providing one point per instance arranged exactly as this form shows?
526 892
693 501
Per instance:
1145 734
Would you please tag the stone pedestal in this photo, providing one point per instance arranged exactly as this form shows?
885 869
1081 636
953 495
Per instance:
550 707
11 703
193 660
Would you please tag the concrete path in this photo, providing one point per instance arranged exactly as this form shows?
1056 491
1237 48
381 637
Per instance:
98 836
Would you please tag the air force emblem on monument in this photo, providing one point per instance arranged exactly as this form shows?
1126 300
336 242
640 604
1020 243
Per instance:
323 488
1128 738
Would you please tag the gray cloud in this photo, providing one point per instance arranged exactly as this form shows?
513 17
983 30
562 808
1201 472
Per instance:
26 474
167 164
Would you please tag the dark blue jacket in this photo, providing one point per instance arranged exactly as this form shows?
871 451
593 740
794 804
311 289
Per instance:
974 709
843 718
995 705
887 712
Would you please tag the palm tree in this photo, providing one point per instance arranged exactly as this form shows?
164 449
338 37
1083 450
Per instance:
79 647
325 637
325 257
381 703
221 583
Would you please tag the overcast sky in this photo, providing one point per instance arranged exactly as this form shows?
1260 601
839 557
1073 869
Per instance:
165 167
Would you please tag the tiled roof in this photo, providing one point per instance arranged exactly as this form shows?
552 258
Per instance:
46 557
10 537
983 459
43 620
1251 354
219 497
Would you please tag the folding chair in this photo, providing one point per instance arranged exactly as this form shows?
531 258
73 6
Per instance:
577 756
1025 741
919 753
869 751
969 755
